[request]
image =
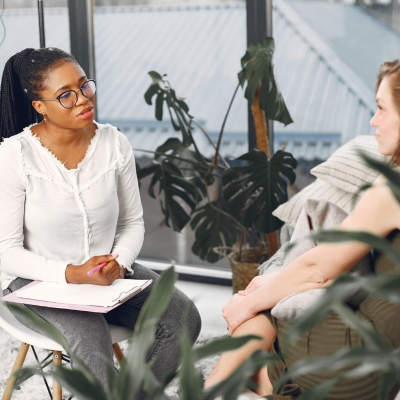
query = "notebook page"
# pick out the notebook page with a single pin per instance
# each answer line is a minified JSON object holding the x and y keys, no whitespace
{"x":82,"y":294}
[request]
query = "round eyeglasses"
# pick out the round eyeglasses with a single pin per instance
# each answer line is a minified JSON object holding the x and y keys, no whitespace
{"x":69,"y":98}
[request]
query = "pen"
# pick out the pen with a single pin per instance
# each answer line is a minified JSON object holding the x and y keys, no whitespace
{"x":98,"y":268}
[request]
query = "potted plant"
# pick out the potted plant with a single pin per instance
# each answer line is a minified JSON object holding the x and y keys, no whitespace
{"x":228,"y":205}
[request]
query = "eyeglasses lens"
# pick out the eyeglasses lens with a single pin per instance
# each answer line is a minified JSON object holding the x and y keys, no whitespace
{"x":68,"y":99}
{"x":88,"y":89}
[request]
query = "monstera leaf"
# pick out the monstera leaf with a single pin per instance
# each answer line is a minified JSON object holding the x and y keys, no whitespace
{"x":257,"y":66}
{"x":175,"y":186}
{"x":195,"y":168}
{"x":177,"y":108}
{"x":213,"y":228}
{"x":254,"y":191}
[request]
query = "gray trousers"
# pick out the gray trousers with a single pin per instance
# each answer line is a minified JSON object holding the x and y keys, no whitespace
{"x":88,"y":334}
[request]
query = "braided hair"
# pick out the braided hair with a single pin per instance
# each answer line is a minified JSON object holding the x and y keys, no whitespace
{"x":24,"y":78}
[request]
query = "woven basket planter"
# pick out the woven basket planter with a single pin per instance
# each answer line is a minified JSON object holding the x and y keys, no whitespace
{"x":245,"y":269}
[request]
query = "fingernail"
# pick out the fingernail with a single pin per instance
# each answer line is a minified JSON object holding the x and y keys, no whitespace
{"x":114,"y":255}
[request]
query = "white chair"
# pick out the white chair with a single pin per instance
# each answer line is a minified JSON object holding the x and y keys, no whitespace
{"x":28,"y":337}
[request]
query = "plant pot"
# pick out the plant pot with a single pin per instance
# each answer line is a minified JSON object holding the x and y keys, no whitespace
{"x":244,"y":268}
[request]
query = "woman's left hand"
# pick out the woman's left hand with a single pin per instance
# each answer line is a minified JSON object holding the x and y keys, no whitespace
{"x":257,"y":282}
{"x":236,"y":312}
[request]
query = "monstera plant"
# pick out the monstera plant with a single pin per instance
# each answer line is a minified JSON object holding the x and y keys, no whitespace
{"x":226,"y":203}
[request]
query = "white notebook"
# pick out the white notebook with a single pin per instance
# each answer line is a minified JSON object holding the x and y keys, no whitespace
{"x":83,"y":294}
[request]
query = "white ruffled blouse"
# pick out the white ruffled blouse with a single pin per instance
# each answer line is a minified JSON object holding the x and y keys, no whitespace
{"x":51,"y":216}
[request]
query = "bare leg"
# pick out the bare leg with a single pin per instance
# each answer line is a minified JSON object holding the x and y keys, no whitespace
{"x":229,"y":361}
{"x":264,"y":384}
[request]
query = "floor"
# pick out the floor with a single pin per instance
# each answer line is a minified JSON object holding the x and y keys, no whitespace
{"x":209,"y":300}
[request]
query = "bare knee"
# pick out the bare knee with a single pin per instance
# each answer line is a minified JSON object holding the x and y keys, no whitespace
{"x":260,"y":326}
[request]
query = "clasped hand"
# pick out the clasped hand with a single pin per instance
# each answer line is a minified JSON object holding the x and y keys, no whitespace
{"x":105,"y":276}
{"x":257,"y":282}
{"x":239,"y":309}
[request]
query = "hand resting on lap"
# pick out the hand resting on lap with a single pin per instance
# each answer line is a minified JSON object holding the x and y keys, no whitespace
{"x":106,"y":276}
{"x":236,"y":312}
{"x":257,"y":282}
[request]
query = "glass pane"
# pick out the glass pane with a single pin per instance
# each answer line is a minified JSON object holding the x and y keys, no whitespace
{"x":199,"y":48}
{"x":327,"y":58}
{"x":21,"y":24}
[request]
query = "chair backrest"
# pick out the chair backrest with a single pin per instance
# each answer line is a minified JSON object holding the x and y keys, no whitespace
{"x":15,"y":328}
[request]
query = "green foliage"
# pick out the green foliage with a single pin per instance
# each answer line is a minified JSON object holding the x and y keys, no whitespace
{"x":177,"y":108}
{"x":135,"y":372}
{"x":375,"y":242}
{"x":257,"y":66}
{"x":334,"y":299}
{"x":231,"y":387}
{"x":258,"y":188}
{"x":350,"y":362}
{"x":130,"y":376}
{"x":191,"y":382}
{"x":215,"y":219}
{"x":213,"y":228}
{"x":392,"y":176}
{"x":222,"y":345}
{"x":174,"y":185}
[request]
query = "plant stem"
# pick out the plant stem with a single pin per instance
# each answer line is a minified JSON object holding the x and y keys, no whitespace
{"x":223,"y":126}
{"x":228,"y":215}
{"x":204,"y":132}
{"x":272,"y":243}
{"x":260,"y":124}
{"x":223,"y":212}
{"x":262,"y":144}
{"x":180,"y":114}
{"x":172,"y":118}
{"x":210,"y":140}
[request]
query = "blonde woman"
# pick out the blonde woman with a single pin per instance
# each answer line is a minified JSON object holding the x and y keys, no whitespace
{"x":377,"y":212}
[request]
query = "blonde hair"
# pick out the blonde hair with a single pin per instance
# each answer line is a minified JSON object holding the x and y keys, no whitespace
{"x":391,"y":69}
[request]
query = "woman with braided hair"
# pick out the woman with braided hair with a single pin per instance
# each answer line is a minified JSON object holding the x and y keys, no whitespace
{"x":70,"y":201}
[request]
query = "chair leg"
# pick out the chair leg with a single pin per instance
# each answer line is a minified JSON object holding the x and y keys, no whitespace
{"x":57,"y":391}
{"x":119,"y":355}
{"x":17,"y":364}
